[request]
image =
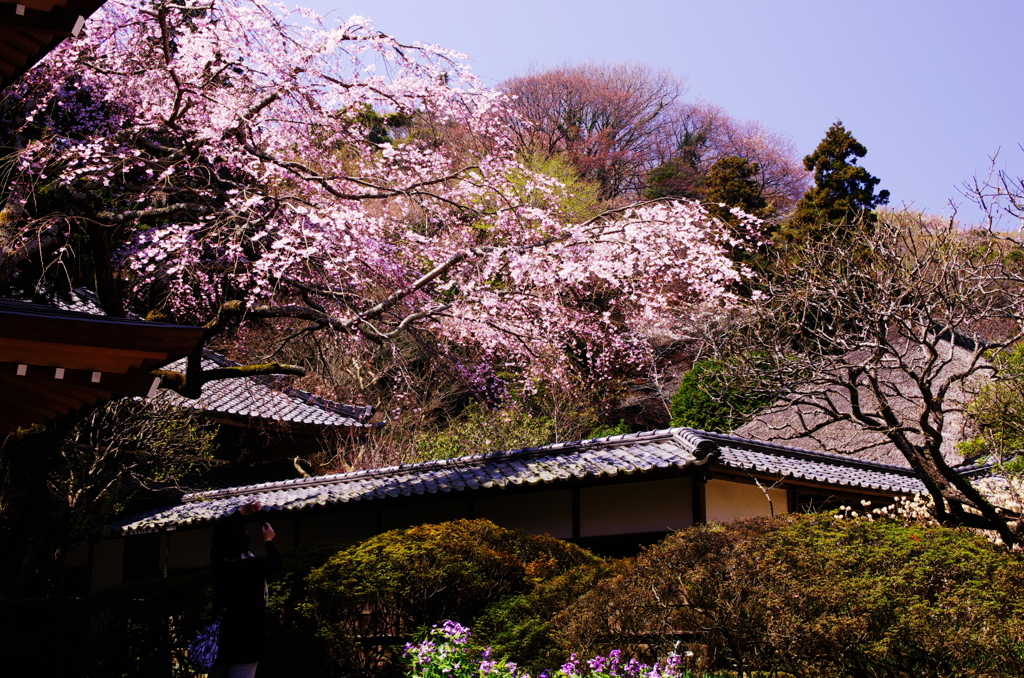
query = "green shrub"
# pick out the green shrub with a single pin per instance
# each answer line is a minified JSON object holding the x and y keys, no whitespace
{"x":997,"y":412}
{"x":607,"y":430}
{"x":713,"y":396}
{"x":815,"y":596}
{"x":480,"y":429}
{"x":371,"y":598}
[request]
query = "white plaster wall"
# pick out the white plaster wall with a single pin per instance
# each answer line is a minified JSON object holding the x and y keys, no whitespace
{"x":536,"y":513}
{"x":77,"y":556}
{"x":284,"y":533}
{"x":652,"y":506}
{"x":337,"y":526}
{"x":727,"y":501}
{"x":107,"y":563}
{"x":407,"y":516}
{"x":188,"y":549}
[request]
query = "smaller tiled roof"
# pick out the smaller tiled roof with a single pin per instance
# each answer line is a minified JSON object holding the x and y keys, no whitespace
{"x":264,"y":398}
{"x":541,"y":467}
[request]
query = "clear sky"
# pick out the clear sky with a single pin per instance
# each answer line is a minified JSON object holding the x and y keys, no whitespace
{"x":932,"y":87}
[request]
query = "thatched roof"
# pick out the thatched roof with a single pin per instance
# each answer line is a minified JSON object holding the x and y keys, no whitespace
{"x":799,"y":419}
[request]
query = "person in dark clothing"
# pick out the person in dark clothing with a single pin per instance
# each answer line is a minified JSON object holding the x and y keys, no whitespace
{"x":240,"y":593}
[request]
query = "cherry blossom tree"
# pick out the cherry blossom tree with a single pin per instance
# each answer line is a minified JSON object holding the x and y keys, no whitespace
{"x":224,"y":162}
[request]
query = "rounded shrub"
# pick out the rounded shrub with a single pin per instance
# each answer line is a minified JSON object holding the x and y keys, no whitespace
{"x":814,"y":596}
{"x":370,"y":599}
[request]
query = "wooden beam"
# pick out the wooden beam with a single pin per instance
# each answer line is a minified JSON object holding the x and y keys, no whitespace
{"x":42,"y":5}
{"x":24,"y":42}
{"x":20,"y":320}
{"x":10,"y":422}
{"x":6,"y":67}
{"x":70,"y":356}
{"x":31,"y":389}
{"x":37,"y":410}
{"x":85,"y":396}
{"x":12,"y":54}
{"x":699,"y":498}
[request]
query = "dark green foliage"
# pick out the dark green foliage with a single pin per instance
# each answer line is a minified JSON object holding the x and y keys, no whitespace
{"x":712,"y":399}
{"x":732,"y":181}
{"x":680,"y":177}
{"x":815,"y":596}
{"x":370,"y":599}
{"x":482,"y":429}
{"x":296,"y":648}
{"x":843,"y":192}
{"x":383,"y":128}
{"x":606,"y":430}
{"x":675,"y":178}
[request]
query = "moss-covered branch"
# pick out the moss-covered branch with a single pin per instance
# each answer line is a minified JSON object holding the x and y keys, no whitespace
{"x":190,"y":385}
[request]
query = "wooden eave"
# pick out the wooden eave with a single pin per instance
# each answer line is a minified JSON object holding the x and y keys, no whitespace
{"x":30,"y":29}
{"x":53,"y":362}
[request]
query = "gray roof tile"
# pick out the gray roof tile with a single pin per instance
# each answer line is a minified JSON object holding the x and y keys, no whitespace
{"x":257,"y":397}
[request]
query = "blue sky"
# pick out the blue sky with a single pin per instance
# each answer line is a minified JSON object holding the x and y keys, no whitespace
{"x":932,"y":88}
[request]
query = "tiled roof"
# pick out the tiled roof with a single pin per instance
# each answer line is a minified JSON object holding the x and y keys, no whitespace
{"x":637,"y":453}
{"x":261,"y":397}
{"x":834,"y":470}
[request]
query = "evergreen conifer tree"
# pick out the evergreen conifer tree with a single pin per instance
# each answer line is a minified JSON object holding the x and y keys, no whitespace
{"x":843,"y":192}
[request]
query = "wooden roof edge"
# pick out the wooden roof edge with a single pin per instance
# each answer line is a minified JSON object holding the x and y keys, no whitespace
{"x":62,"y":9}
{"x":23,"y":320}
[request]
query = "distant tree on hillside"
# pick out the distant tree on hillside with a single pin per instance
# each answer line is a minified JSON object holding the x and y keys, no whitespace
{"x":627,"y":127}
{"x":843,"y":192}
{"x":607,"y":119}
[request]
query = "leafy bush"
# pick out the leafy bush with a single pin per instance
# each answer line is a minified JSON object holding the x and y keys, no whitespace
{"x":607,"y":430}
{"x":295,"y":647}
{"x":998,"y":412}
{"x":710,"y":397}
{"x":481,"y":429}
{"x":372,"y":597}
{"x":815,"y":596}
{"x":519,"y":627}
